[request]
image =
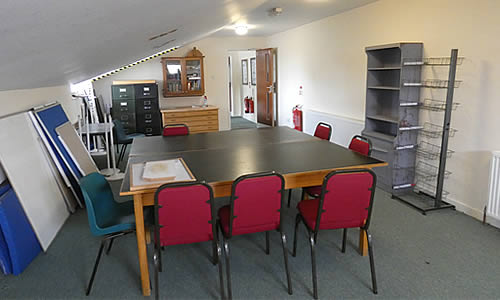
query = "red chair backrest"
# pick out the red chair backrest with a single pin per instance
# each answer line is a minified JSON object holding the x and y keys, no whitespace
{"x":255,"y":203}
{"x":173,"y":130}
{"x":323,"y":131}
{"x":183,"y":212}
{"x":361,"y":145}
{"x":346,"y":200}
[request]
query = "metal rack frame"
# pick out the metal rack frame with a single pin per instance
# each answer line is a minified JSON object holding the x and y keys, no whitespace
{"x":423,"y":200}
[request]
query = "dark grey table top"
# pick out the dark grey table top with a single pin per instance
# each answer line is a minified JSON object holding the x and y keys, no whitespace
{"x":226,"y":164}
{"x":217,"y":140}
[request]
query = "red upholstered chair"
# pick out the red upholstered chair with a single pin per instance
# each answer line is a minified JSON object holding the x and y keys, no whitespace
{"x":185,"y":214}
{"x":323,"y":131}
{"x":256,"y":205}
{"x":175,"y":129}
{"x":346,"y":201}
{"x":361,"y":144}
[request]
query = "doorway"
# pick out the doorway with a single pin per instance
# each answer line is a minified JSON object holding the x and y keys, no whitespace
{"x":249,"y":76}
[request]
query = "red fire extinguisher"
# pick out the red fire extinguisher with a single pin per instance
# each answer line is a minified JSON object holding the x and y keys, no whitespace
{"x":247,"y":105}
{"x":251,"y":105}
{"x":297,"y":117}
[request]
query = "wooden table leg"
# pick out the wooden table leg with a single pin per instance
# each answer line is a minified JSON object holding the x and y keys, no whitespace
{"x":363,"y":243}
{"x":141,"y":244}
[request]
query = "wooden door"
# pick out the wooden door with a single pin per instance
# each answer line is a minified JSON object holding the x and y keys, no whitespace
{"x":265,"y":86}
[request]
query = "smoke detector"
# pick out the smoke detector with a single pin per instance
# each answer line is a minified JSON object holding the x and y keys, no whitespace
{"x":276,"y":11}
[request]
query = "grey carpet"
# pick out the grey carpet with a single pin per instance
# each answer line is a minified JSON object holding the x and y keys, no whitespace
{"x":241,"y":123}
{"x":443,"y":255}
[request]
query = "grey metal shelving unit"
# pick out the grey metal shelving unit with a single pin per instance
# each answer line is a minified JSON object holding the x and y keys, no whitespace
{"x":392,"y":111}
{"x":429,"y":195}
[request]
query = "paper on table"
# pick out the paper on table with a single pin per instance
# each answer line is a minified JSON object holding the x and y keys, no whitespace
{"x":177,"y":169}
{"x":159,"y":170}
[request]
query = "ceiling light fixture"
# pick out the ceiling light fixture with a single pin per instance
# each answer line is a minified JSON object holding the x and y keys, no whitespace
{"x":241,"y":29}
{"x":276,"y":11}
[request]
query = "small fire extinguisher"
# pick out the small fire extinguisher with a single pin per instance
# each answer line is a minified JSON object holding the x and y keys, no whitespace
{"x":247,"y":105}
{"x":297,"y":117}
{"x":251,"y":105}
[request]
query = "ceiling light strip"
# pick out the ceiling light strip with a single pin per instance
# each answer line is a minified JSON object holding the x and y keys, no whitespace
{"x":134,"y":64}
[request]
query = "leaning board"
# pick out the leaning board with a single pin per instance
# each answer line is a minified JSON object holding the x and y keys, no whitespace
{"x":75,"y":148}
{"x":29,"y":173}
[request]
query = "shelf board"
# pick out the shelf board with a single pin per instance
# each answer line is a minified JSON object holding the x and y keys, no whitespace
{"x":379,"y":150}
{"x":384,"y":69}
{"x":379,"y":135}
{"x":383,"y":118}
{"x":381,"y":87}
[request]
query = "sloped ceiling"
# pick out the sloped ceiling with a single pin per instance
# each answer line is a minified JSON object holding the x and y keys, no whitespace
{"x":53,"y":42}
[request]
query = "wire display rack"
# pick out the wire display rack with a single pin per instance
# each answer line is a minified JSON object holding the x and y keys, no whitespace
{"x":433,"y":83}
{"x":437,"y":105}
{"x":427,"y":196}
{"x":430,"y":189}
{"x":430,"y":151}
{"x":435,"y":131}
{"x":442,"y":61}
{"x":432,"y":61}
{"x":439,"y":83}
{"x":428,"y":172}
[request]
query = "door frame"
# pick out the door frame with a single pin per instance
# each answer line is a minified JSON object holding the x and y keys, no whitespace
{"x":275,"y":102}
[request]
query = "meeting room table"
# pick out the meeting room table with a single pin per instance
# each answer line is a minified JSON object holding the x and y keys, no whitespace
{"x":218,"y":158}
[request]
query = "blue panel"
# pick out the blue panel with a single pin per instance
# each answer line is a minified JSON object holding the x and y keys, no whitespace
{"x":21,"y":240}
{"x":5,"y":264}
{"x":52,"y":118}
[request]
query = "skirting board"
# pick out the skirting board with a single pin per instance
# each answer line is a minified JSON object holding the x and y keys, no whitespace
{"x":31,"y":177}
{"x":343,"y":128}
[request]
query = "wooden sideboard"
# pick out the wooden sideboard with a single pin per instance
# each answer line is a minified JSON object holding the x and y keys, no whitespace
{"x":198,"y":119}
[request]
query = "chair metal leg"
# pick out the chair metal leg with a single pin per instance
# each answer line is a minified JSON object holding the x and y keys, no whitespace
{"x":157,"y":267}
{"x":221,"y":278}
{"x":228,"y":269}
{"x":372,"y":263}
{"x":89,"y":286}
{"x":110,"y":245}
{"x":267,"y":243}
{"x":289,"y":196}
{"x":285,"y":256}
{"x":119,"y":156}
{"x":344,"y":238}
{"x":297,"y":221}
{"x":215,"y":259}
{"x":313,"y":262}
{"x":122,"y":153}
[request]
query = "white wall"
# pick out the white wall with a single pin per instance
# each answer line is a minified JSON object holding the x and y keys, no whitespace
{"x":240,"y":90}
{"x":20,"y":100}
{"x":327,"y":57}
{"x":215,"y":51}
{"x":237,"y":103}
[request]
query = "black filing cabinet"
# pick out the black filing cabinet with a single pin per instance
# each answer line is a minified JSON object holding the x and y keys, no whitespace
{"x":137,"y":107}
